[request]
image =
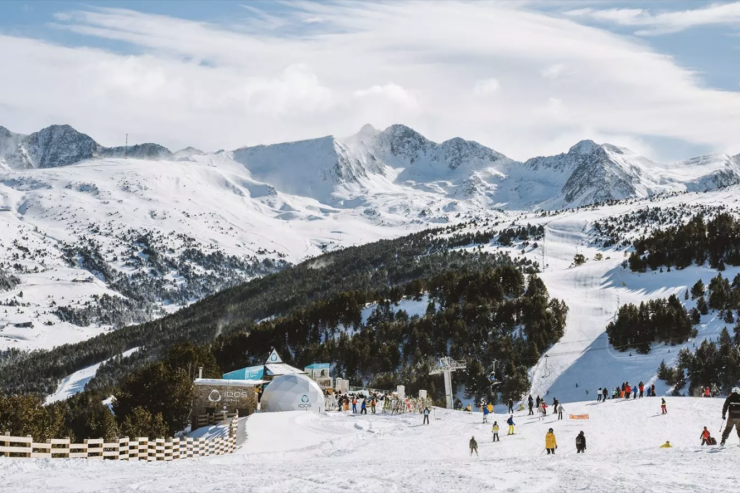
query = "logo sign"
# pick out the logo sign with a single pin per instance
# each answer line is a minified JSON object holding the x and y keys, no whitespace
{"x":214,"y":396}
{"x":274,"y":358}
{"x":578,"y":416}
{"x":228,"y":395}
{"x":304,"y":402}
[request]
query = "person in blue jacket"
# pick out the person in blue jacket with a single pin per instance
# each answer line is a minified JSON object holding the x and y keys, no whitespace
{"x":485,"y":414}
{"x":510,"y":422}
{"x":363,"y":407}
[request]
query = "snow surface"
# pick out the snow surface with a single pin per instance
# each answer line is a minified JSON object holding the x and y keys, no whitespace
{"x":298,"y":451}
{"x":75,"y":383}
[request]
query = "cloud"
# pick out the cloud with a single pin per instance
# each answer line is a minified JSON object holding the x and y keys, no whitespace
{"x":665,"y":22}
{"x":487,"y":86}
{"x":180,"y":82}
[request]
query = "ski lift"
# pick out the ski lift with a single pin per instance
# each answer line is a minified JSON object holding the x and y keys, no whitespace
{"x":547,"y":369}
{"x":492,"y":375}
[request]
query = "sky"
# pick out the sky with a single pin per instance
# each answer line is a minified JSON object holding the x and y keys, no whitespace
{"x":526,"y":78}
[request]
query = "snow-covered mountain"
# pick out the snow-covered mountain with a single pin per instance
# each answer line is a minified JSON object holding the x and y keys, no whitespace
{"x":81,"y":222}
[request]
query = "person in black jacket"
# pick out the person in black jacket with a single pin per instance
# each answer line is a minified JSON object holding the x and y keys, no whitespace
{"x":732,"y":406}
{"x":531,"y":405}
{"x":581,"y":443}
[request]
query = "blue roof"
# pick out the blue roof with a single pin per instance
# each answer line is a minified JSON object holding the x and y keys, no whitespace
{"x":248,"y":373}
{"x":318,"y":366}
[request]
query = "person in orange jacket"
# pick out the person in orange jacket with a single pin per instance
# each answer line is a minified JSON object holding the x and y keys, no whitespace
{"x":706,"y":438}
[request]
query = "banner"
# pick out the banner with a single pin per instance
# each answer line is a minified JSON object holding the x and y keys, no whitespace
{"x":578,"y":416}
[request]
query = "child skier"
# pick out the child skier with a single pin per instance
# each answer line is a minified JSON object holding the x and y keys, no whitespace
{"x":560,"y":411}
{"x":510,"y":422}
{"x":550,"y":443}
{"x":426,"y":416}
{"x":485,"y":414}
{"x":581,"y":443}
{"x":706,"y":438}
{"x":663,"y":406}
{"x":495,"y":432}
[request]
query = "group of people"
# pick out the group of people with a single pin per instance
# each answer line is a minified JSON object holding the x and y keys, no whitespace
{"x":625,"y":391}
{"x":551,"y":443}
{"x":542,"y":406}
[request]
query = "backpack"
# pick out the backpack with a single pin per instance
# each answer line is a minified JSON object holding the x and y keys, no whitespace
{"x":579,"y":440}
{"x":712,"y":441}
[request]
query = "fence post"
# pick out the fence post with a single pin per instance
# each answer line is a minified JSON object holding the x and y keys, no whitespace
{"x":6,"y":444}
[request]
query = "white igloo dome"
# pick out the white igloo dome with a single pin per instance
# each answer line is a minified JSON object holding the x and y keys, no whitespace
{"x":292,"y":393}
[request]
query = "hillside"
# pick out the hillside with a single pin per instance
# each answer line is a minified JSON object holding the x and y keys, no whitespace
{"x":308,"y":452}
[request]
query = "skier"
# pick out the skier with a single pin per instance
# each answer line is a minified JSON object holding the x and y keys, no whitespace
{"x":642,"y":388}
{"x":663,"y":406}
{"x":614,"y":393}
{"x":732,"y":404}
{"x":606,"y":394}
{"x":544,"y":408}
{"x":511,"y":406}
{"x":627,"y":391}
{"x":373,"y":403}
{"x":494,"y":429}
{"x":490,"y":408}
{"x":354,"y":405}
{"x":363,"y":407}
{"x":706,"y":438}
{"x":598,"y":395}
{"x":555,"y":403}
{"x":485,"y":414}
{"x":530,"y":402}
{"x":426,"y":416}
{"x":469,"y":409}
{"x":550,"y":443}
{"x":581,"y":443}
{"x":634,"y":392}
{"x":560,"y":411}
{"x":652,"y":390}
{"x":473,"y":447}
{"x":667,"y":444}
{"x":510,"y":422}
{"x":538,"y":401}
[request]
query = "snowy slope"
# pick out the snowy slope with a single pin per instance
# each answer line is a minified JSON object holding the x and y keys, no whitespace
{"x":306,"y":452}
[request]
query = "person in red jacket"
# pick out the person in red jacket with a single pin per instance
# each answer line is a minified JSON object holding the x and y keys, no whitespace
{"x":705,"y":437}
{"x":642,"y":389}
{"x":627,"y":391}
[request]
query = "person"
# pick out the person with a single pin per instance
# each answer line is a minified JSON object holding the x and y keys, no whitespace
{"x":555,"y":403}
{"x":469,"y":409}
{"x":606,"y":394}
{"x":511,"y":406}
{"x":550,"y":443}
{"x":731,"y":412}
{"x":627,"y":391}
{"x":581,"y":443}
{"x":598,"y":395}
{"x":494,"y":429}
{"x":346,"y":404}
{"x":363,"y":407}
{"x":485,"y":414}
{"x":652,"y":390}
{"x":560,"y":412}
{"x":510,"y":422}
{"x":667,"y":444}
{"x":614,"y":393}
{"x":354,"y":404}
{"x":530,"y":402}
{"x":426,"y":416}
{"x":706,"y":438}
{"x":373,"y":403}
{"x":634,"y":392}
{"x":538,"y":401}
{"x":642,"y":388}
{"x":663,"y":406}
{"x":473,"y":446}
{"x":458,"y":404}
{"x":490,"y":408}
{"x":544,"y":408}
{"x":707,"y":392}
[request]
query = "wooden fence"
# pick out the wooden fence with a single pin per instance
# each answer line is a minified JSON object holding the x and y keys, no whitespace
{"x":121,"y":449}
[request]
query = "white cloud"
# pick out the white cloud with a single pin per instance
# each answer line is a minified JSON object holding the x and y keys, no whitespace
{"x":484,"y":87}
{"x":666,"y":22}
{"x":194,"y":83}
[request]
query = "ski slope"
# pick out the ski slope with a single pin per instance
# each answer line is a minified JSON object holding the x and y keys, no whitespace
{"x":306,"y":452}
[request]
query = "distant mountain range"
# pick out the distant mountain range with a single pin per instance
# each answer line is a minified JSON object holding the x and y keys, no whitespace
{"x":336,"y":171}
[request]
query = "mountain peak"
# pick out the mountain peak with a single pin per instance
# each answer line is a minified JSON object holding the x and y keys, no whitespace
{"x":584,"y":147}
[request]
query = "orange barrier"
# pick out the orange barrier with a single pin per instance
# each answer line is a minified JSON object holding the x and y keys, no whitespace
{"x":578,"y":416}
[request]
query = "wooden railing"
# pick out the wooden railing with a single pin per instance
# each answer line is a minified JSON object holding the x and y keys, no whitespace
{"x":122,"y":449}
{"x":213,"y":419}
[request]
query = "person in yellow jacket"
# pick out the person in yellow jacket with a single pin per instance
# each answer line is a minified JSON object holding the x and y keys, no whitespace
{"x":550,"y":443}
{"x":667,"y":444}
{"x":490,"y":408}
{"x":495,"y":431}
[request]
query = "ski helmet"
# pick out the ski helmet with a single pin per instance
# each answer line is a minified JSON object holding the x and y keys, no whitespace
{"x":736,"y":390}
{"x":550,"y":430}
